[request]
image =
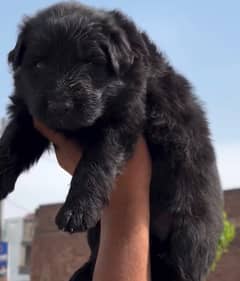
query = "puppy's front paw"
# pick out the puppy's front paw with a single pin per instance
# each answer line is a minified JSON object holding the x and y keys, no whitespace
{"x":8,"y":172}
{"x":78,"y":215}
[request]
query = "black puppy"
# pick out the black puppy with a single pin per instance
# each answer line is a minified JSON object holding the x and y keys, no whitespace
{"x":93,"y":76}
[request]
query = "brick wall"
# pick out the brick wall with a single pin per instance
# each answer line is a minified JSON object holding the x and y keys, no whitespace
{"x":55,"y":255}
{"x":228,"y":268}
{"x":232,"y":205}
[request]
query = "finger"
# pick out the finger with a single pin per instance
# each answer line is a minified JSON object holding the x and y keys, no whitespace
{"x":50,"y":134}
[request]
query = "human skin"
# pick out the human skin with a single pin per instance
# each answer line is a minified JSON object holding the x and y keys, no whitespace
{"x":124,"y":241}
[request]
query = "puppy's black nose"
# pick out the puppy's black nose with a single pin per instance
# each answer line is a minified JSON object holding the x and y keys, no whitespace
{"x":60,"y":107}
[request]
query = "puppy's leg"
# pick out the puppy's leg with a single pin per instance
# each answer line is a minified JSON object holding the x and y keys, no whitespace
{"x":93,"y":181}
{"x":20,"y":146}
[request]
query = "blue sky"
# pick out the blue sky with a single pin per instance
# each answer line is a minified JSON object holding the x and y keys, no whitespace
{"x":200,"y":38}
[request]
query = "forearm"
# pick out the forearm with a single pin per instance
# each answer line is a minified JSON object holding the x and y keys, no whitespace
{"x":124,"y":244}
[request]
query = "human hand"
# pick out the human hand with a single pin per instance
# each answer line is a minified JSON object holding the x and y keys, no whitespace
{"x":125,"y":221}
{"x":68,"y":152}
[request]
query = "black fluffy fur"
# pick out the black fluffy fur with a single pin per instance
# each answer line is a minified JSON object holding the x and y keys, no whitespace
{"x":93,"y":76}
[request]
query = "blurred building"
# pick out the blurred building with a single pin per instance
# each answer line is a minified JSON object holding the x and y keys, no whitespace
{"x":18,"y":232}
{"x":55,"y":255}
{"x":26,"y":243}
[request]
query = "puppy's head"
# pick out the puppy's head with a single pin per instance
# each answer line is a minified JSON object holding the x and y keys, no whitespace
{"x":69,"y":61}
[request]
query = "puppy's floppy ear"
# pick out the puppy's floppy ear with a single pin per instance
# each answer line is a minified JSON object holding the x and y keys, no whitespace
{"x":119,"y":51}
{"x":15,"y":56}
